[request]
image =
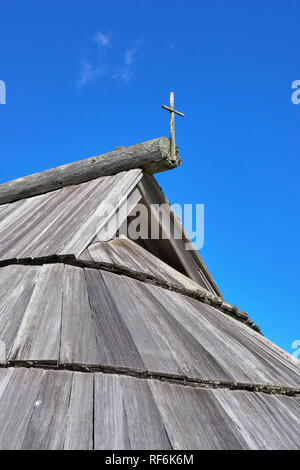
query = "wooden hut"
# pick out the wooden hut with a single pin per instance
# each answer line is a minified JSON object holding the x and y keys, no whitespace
{"x":110,"y":342}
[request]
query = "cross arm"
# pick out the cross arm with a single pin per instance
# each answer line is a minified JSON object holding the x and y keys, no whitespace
{"x":172,"y":110}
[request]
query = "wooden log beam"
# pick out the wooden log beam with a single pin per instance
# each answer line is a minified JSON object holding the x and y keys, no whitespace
{"x":153,"y":156}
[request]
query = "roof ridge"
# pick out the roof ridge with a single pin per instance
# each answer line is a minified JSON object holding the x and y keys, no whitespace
{"x":152,"y":156}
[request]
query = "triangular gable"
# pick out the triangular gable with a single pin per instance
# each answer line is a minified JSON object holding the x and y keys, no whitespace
{"x":67,"y":221}
{"x":170,"y":250}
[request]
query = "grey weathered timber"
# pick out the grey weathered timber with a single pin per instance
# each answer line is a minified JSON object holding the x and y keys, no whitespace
{"x":17,"y":403}
{"x":172,"y":122}
{"x":43,"y":312}
{"x":115,"y":343}
{"x":63,"y":221}
{"x":117,"y":322}
{"x":110,"y":426}
{"x":50,"y":413}
{"x":125,"y":344}
{"x":80,"y":426}
{"x":153,"y":156}
{"x":78,"y":339}
{"x":125,"y":253}
{"x":44,"y":409}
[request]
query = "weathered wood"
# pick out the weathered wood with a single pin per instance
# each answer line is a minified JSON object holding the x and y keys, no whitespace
{"x":43,"y":314}
{"x":79,"y":433}
{"x":153,"y":156}
{"x":172,"y":124}
{"x":16,"y":406}
{"x":78,"y":339}
{"x":110,"y":425}
{"x":63,"y":221}
{"x":48,"y":422}
{"x":172,"y":110}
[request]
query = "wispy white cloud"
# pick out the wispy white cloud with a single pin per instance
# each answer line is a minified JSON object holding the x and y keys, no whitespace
{"x":103,"y":39}
{"x":105,"y":64}
{"x":88,"y":72}
{"x":126,"y":71}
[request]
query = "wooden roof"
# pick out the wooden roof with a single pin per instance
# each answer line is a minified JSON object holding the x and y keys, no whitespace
{"x":109,"y":346}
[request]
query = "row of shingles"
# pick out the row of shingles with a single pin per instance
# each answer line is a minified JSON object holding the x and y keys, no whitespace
{"x":225,"y":419}
{"x":274,"y":364}
{"x":166,"y":346}
{"x":116,"y":321}
{"x":61,"y":222}
{"x":50,"y":314}
{"x":45,"y":238}
{"x":41,"y":415}
{"x":45,"y":315}
{"x":265,"y":421}
{"x":41,"y":421}
{"x":42,"y":409}
{"x":44,"y":431}
{"x":118,"y":188}
{"x":75,"y":217}
{"x":241,"y":352}
{"x":125,"y":253}
{"x":178,"y":336}
{"x":22,"y":225}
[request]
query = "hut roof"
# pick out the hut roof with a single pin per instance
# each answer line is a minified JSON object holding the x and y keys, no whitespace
{"x":115,"y":343}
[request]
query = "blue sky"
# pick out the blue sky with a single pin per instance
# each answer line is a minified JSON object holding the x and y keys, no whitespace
{"x":86,"y":76}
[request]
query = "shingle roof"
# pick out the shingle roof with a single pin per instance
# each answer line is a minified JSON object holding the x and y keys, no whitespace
{"x":45,"y":409}
{"x":108,"y":346}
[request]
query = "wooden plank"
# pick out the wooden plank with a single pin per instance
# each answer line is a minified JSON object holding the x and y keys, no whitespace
{"x":80,"y":426}
{"x":117,"y":192}
{"x":53,"y":221}
{"x":115,"y":343}
{"x":262,"y":361}
{"x":26,"y":223}
{"x":5,"y":377}
{"x":38,"y":337}
{"x":145,"y":426}
{"x":152,"y":156}
{"x":260,"y":419}
{"x":10,"y":277}
{"x":16,"y":405}
{"x":12,"y":312}
{"x":59,"y":218}
{"x":110,"y":423}
{"x":78,"y":340}
{"x":141,"y":318}
{"x":48,"y":422}
{"x":192,"y":419}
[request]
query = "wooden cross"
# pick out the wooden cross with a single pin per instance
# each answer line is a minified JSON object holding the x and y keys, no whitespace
{"x":172,"y":122}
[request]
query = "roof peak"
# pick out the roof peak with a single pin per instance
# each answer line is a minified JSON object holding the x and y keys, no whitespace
{"x":153,"y":156}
